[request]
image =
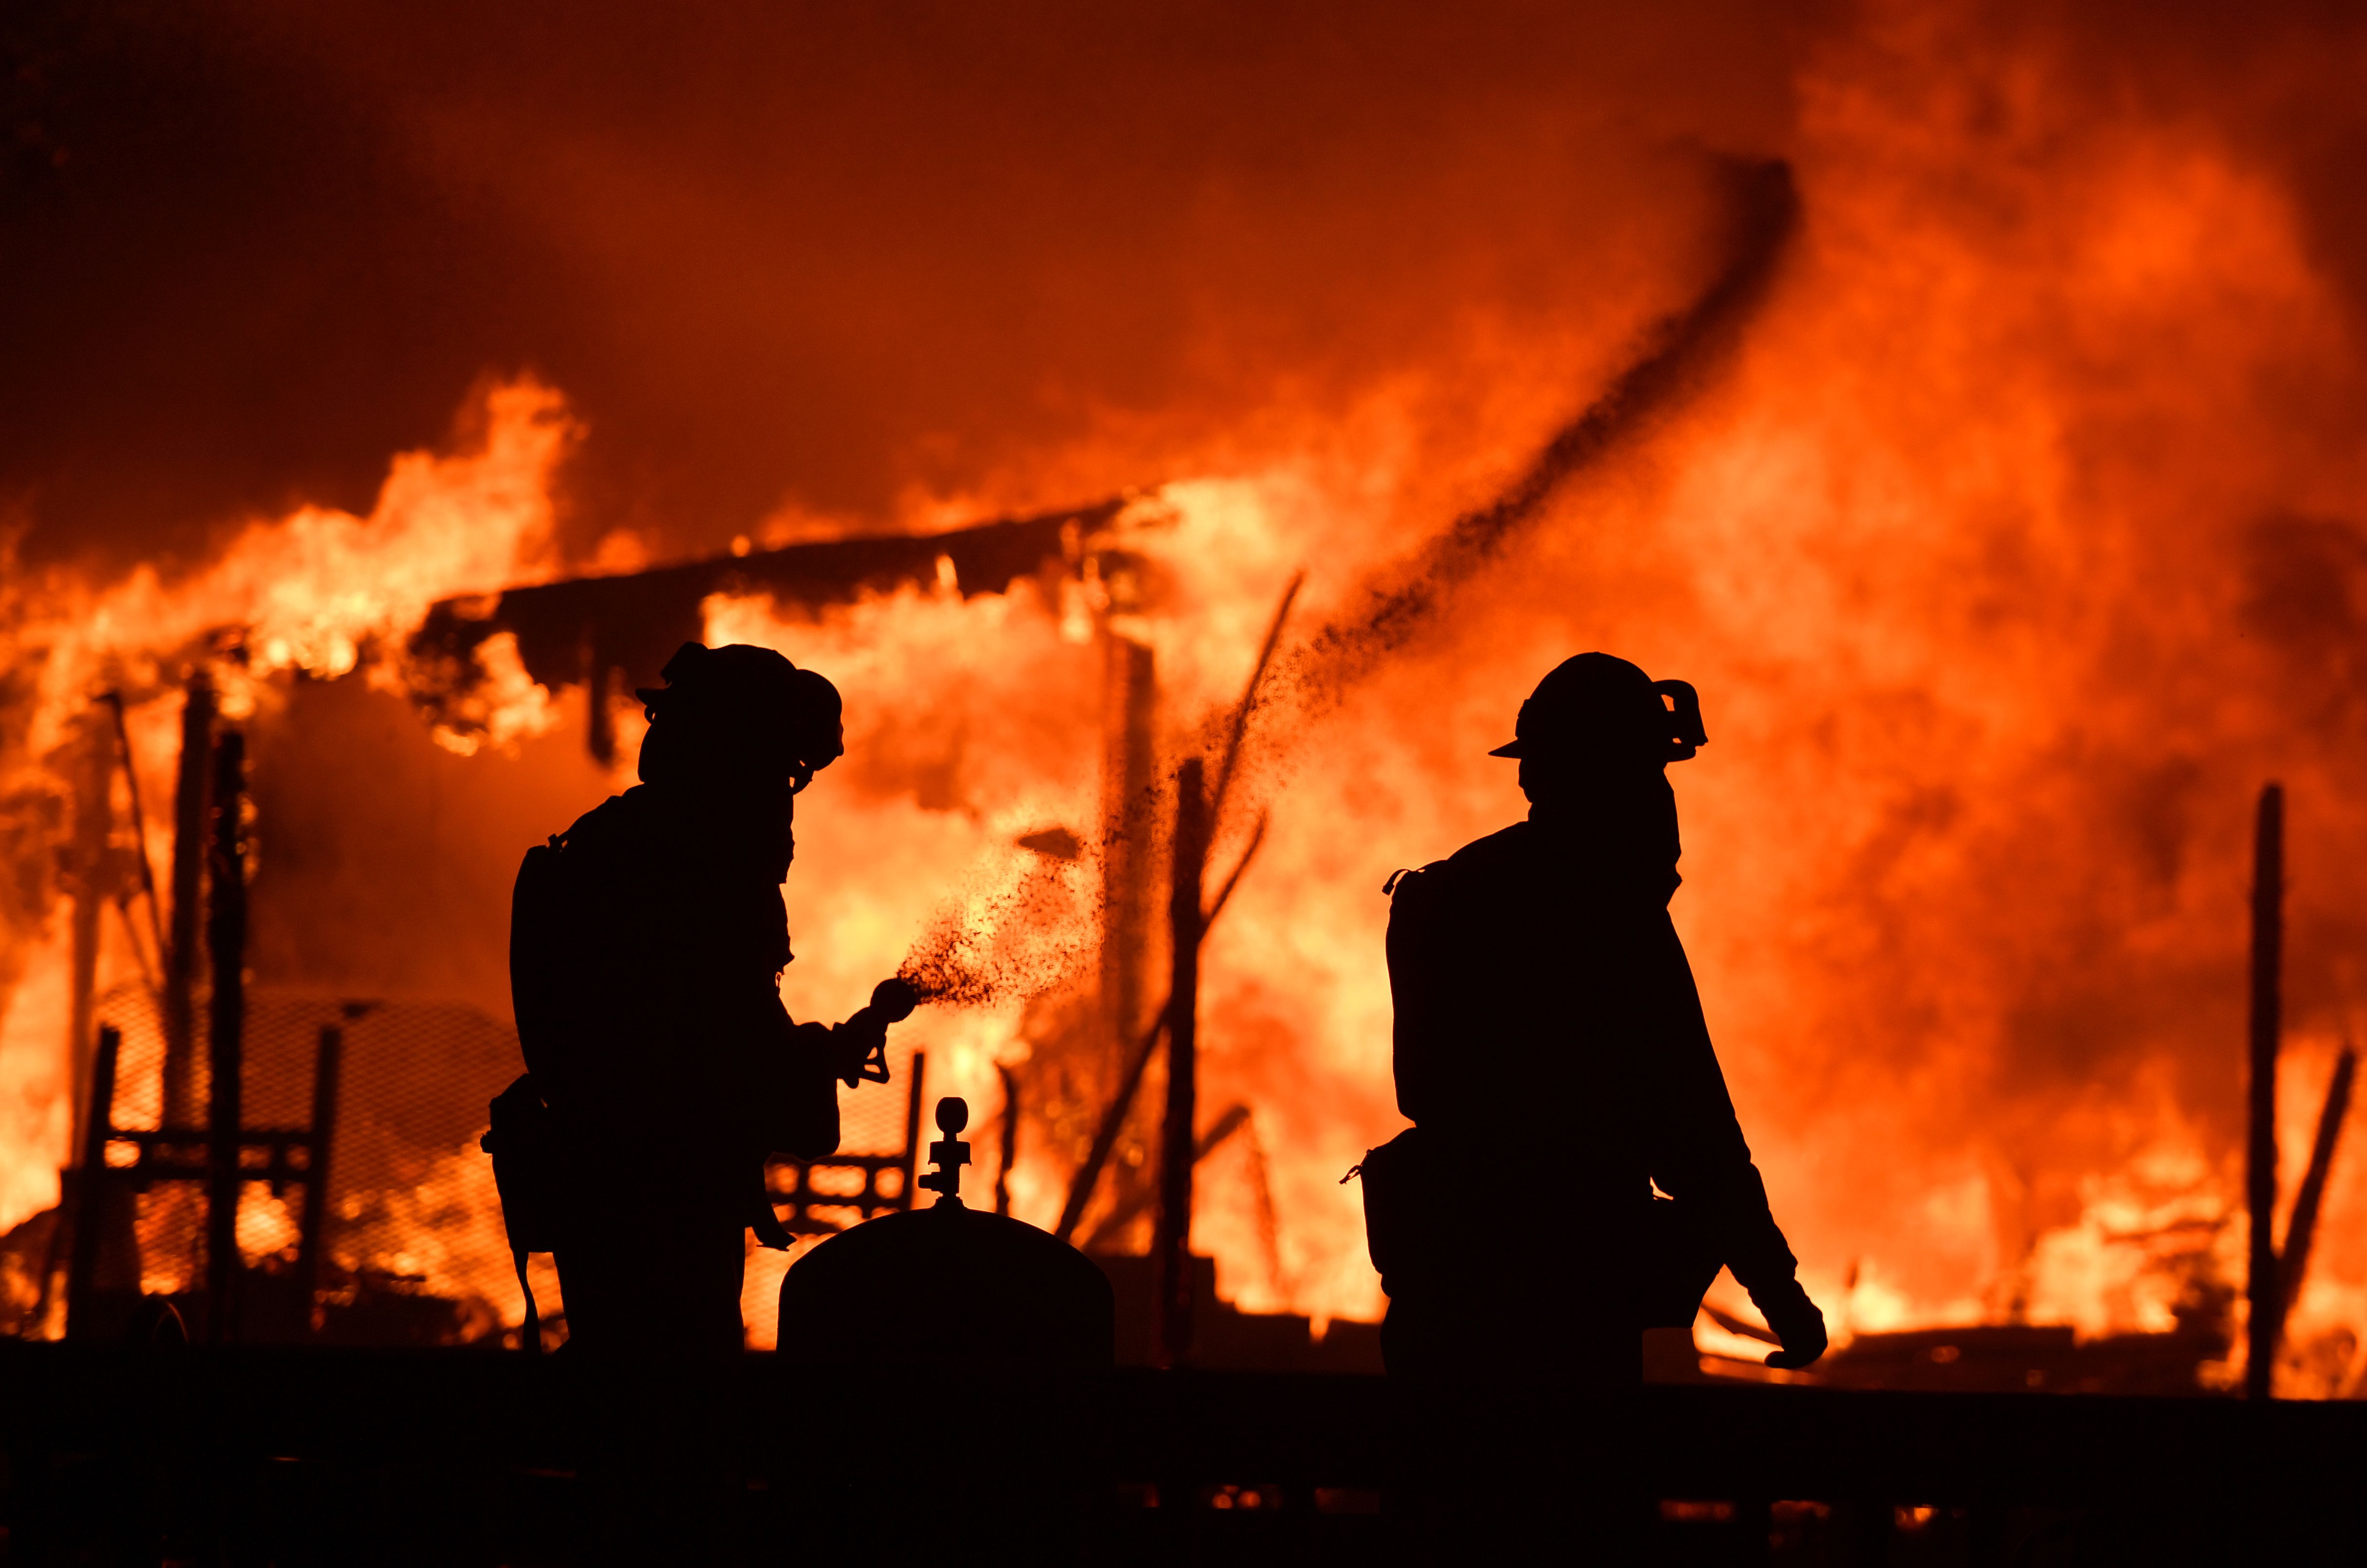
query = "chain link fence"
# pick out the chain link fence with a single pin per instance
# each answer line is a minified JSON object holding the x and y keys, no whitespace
{"x":411,"y":1247}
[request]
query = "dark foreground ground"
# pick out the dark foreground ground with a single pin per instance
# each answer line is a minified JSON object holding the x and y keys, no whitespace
{"x":317,"y":1456}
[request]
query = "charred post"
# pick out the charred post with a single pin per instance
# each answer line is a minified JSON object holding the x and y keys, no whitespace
{"x":114,"y":701}
{"x":226,"y":940}
{"x":1009,"y":1153}
{"x":189,"y":889}
{"x":89,"y":878}
{"x":1171,"y":1247}
{"x":599,"y":688}
{"x":1131,"y":689}
{"x":2261,"y":1294}
{"x":1126,"y":794}
{"x":917,"y":1076}
{"x":327,"y":1062}
{"x":89,"y":1202}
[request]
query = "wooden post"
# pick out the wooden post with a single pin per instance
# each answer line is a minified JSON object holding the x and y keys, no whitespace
{"x":1171,"y":1248}
{"x":599,"y":685}
{"x":1129,"y":706}
{"x":918,"y":1074}
{"x":226,"y":940}
{"x":1126,"y":795}
{"x":114,"y":701}
{"x":2261,"y":1149}
{"x":327,"y":1062}
{"x":1009,"y":1153}
{"x":180,"y":957}
{"x":89,"y":1198}
{"x":94,"y":828}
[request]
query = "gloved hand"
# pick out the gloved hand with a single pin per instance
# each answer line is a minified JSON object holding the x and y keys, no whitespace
{"x":1798,"y":1323}
{"x":862,"y":1040}
{"x":853,"y":1044}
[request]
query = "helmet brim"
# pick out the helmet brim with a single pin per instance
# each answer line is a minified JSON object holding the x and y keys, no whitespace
{"x":1509,"y":748}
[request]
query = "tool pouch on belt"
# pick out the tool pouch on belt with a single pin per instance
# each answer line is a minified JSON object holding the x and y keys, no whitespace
{"x":545,"y":956}
{"x":524,"y":1139}
{"x":1680,"y":1252}
{"x":1681,"y":1258}
{"x":1397,"y":1188}
{"x":524,"y":1142}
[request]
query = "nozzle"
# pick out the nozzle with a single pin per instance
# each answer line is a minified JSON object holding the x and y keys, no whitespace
{"x":894,"y":998}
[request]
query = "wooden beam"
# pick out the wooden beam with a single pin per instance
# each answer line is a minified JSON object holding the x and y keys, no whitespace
{"x":2260,"y":1147}
{"x":226,"y":944}
{"x":1171,"y":1248}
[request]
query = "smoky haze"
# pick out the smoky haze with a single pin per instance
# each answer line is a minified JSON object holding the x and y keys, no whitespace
{"x":809,"y":256}
{"x":825,"y":258}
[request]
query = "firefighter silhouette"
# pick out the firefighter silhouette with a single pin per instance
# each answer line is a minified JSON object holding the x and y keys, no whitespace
{"x":1551,"y":1052}
{"x":646,"y":947}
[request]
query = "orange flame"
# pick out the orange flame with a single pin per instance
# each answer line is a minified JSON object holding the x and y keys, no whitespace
{"x":2007,"y":552}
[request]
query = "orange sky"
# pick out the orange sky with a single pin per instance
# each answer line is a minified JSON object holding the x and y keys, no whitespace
{"x":816,"y":256}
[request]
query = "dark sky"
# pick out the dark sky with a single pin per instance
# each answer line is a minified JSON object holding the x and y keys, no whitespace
{"x":821,"y":254}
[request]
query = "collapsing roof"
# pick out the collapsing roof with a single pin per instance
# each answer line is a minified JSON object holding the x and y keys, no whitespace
{"x":615,"y":633}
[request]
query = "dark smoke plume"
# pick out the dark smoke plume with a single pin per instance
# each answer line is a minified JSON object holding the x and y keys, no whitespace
{"x":1410,"y":595}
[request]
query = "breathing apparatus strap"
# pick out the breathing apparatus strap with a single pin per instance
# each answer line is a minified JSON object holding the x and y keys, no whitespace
{"x":530,"y":1331}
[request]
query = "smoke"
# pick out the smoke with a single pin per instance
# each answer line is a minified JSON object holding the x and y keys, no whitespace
{"x":804,"y":261}
{"x":803,"y":258}
{"x":1408,"y":596}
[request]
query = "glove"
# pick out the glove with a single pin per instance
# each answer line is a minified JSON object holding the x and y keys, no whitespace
{"x":1799,"y":1324}
{"x":853,"y":1044}
{"x":863,"y":1039}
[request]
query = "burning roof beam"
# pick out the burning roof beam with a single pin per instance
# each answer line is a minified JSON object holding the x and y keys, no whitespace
{"x":618,"y":632}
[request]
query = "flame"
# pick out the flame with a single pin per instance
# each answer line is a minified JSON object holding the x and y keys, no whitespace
{"x":501,"y":706}
{"x":317,"y":591}
{"x":2006,"y":544}
{"x":33,"y":1099}
{"x":311,"y":591}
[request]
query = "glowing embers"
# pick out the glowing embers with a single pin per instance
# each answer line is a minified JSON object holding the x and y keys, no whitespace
{"x":1266,"y":1498}
{"x":1687,"y":1511}
{"x":1800,"y":1530}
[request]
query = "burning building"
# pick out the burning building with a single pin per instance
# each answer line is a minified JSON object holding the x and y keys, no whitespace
{"x":1978,"y":435}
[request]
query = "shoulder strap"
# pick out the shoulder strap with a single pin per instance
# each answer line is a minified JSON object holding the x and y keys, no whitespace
{"x":1411,"y":879}
{"x":521,"y":1143}
{"x":530,"y":1331}
{"x":539,"y":948}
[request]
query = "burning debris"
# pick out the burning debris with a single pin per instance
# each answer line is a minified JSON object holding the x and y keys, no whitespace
{"x":2010,"y":607}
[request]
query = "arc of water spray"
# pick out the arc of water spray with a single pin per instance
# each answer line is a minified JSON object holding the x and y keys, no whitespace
{"x":1248,"y":704}
{"x":1320,"y":670}
{"x":1402,"y":599}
